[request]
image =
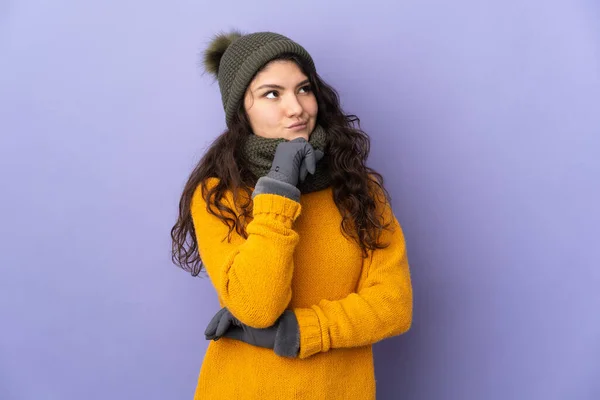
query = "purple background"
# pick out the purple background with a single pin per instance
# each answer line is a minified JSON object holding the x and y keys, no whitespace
{"x":485,"y":121}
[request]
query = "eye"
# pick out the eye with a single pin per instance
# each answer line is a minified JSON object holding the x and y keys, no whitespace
{"x":271,"y":95}
{"x":305,"y":89}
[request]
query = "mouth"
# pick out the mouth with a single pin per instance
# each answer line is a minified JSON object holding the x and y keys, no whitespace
{"x":298,"y":126}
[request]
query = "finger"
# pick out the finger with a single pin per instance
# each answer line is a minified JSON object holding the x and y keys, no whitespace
{"x":303,"y":171}
{"x":224,"y":324}
{"x":210,"y":328}
{"x":210,"y":331}
{"x":319,"y":155}
{"x":309,"y":159}
{"x":212,"y":325}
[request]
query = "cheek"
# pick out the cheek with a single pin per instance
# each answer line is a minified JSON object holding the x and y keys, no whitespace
{"x":310,"y":106}
{"x":271,"y":115}
{"x":264,"y":116}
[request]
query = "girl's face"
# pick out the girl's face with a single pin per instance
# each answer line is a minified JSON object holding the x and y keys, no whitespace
{"x":279,"y":102}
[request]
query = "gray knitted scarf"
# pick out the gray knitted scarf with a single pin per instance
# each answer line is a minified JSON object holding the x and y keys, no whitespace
{"x":260,"y":151}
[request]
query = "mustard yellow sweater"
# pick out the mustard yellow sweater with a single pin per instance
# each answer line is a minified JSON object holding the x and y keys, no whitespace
{"x":296,"y":258}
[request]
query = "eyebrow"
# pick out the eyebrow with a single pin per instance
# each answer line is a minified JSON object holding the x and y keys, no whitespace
{"x":272,"y":86}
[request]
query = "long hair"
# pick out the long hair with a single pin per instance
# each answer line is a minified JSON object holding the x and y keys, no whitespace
{"x":357,"y":189}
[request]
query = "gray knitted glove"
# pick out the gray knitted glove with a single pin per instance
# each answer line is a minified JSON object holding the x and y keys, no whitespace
{"x":293,"y":161}
{"x":283,"y":336}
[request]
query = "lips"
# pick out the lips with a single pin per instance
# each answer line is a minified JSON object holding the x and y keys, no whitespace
{"x":297,"y":125}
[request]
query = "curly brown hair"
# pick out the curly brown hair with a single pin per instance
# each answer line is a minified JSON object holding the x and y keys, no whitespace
{"x":357,"y":189}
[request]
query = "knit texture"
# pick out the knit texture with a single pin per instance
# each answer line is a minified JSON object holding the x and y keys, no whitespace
{"x":296,"y":258}
{"x":242,"y":60}
{"x":260,"y":151}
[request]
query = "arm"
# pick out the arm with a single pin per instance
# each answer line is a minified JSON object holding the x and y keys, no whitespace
{"x":251,"y":276}
{"x":381,"y":307}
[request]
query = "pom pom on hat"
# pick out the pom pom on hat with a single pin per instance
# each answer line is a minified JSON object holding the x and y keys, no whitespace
{"x":215,"y":50}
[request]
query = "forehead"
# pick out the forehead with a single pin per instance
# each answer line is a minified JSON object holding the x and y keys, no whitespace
{"x":279,"y":72}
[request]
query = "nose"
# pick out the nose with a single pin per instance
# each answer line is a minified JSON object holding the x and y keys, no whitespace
{"x":292,"y":106}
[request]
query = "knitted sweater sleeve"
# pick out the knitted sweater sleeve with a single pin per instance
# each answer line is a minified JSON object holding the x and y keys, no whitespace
{"x":380,"y":308}
{"x":252,"y":276}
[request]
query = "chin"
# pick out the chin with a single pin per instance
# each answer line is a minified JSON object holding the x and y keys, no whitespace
{"x":297,"y":135}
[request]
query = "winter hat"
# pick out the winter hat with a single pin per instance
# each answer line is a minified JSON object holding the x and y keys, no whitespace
{"x":235,"y":58}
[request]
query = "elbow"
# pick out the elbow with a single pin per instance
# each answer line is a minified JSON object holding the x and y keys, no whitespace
{"x":405,"y":323}
{"x":406,"y":309}
{"x":257,"y":307}
{"x":402,"y":324}
{"x":262,"y":320}
{"x":261,"y":314}
{"x":265,"y":322}
{"x":403,"y":320}
{"x":408,"y":318}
